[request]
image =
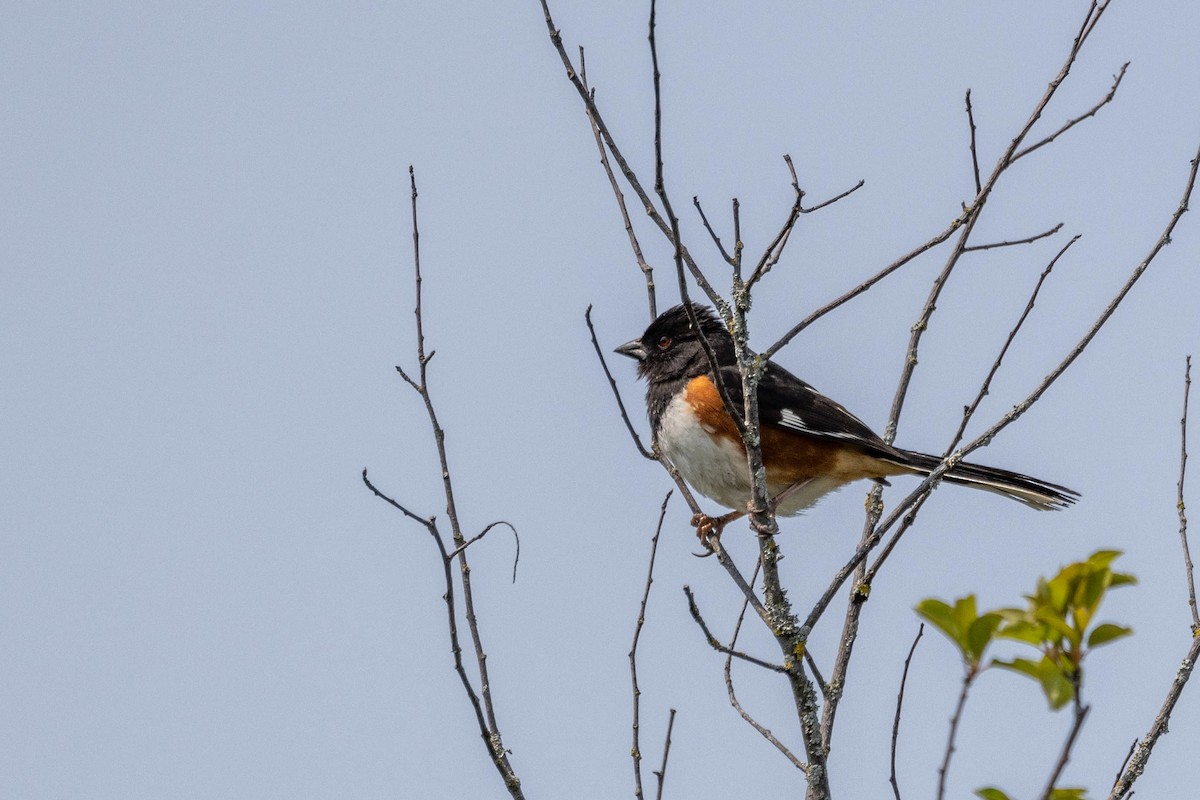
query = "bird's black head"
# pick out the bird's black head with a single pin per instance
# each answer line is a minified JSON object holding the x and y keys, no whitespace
{"x":670,"y":348}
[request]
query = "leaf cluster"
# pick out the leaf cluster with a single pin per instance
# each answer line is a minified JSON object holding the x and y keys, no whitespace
{"x":1058,"y":621}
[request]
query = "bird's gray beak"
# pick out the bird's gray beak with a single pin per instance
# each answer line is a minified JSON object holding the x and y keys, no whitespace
{"x":633,"y":349}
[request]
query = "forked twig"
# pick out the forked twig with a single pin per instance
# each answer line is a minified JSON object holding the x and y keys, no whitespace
{"x":715,"y":643}
{"x":481,"y":700}
{"x":733,"y":700}
{"x":1108,"y":98}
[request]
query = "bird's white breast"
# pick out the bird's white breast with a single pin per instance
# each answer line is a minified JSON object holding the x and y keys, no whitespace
{"x":715,"y":466}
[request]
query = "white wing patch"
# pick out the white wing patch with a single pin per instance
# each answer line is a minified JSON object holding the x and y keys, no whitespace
{"x":790,"y":419}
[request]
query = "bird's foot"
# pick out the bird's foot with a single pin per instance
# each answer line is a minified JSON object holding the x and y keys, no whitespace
{"x":710,"y":528}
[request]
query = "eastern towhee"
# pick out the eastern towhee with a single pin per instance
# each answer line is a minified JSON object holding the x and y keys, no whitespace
{"x":810,"y":444}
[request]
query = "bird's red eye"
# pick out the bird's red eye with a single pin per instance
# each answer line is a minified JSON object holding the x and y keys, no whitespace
{"x":664,"y":342}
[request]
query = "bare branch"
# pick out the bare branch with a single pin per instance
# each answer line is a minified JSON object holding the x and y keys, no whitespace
{"x":635,"y":751}
{"x":646,"y":269}
{"x":861,"y":288}
{"x":733,"y":700}
{"x":428,"y":522}
{"x":1125,"y":763}
{"x":481,"y":702}
{"x":1010,"y":243}
{"x":1183,"y":457}
{"x":968,"y":679}
{"x":971,"y":217}
{"x":861,"y":183}
{"x":715,"y":644}
{"x":1141,"y":753}
{"x":594,"y":114}
{"x":774,"y":250}
{"x":1108,"y":98}
{"x":969,"y":411}
{"x":900,"y":702}
{"x":484,"y":532}
{"x":1081,"y":712}
{"x":716,"y":239}
{"x":612,"y":383}
{"x":661,"y":772}
{"x":974,"y":153}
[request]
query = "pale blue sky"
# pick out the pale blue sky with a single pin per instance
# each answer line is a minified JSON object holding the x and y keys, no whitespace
{"x":207,"y":280}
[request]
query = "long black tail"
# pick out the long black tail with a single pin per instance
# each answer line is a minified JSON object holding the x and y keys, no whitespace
{"x":1042,"y":495}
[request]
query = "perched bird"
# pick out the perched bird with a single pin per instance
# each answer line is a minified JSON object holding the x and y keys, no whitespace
{"x":810,"y":444}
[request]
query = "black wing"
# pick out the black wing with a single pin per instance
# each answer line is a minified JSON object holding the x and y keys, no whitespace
{"x":785,"y":401}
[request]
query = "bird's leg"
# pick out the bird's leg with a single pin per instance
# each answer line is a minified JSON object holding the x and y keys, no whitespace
{"x":707,"y":526}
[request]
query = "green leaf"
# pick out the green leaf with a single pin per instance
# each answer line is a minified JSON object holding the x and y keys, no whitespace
{"x":965,"y":613}
{"x":941,"y":616}
{"x":1057,"y":688}
{"x":1074,"y":793}
{"x":1021,"y":665}
{"x":1023,"y":631}
{"x":1102,"y":558}
{"x":1058,"y":624}
{"x":1107,"y":632}
{"x":1122,"y":579}
{"x":992,"y":793}
{"x":979,"y":635}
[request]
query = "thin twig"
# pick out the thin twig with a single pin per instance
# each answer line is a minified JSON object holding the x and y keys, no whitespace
{"x":1183,"y":457}
{"x":612,"y":383}
{"x":860,"y":288}
{"x":943,"y":770}
{"x":647,"y":270}
{"x":715,"y":644}
{"x":974,"y":151}
{"x":481,"y":701}
{"x":661,"y":772}
{"x":595,"y":115}
{"x":733,"y":700}
{"x":861,"y":183}
{"x":1018,"y":410}
{"x":1010,"y":242}
{"x":900,"y":705}
{"x":969,"y":411}
{"x":1108,"y":98}
{"x":484,"y":532}
{"x":716,"y":239}
{"x":1081,"y":712}
{"x":1141,"y":753}
{"x":635,"y":751}
{"x":774,"y":250}
{"x":1124,"y":763}
{"x":972,"y":216}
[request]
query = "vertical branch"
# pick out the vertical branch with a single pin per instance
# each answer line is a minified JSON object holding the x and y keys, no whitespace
{"x":661,"y":772}
{"x":899,"y":706}
{"x":974,"y":151}
{"x":481,"y":701}
{"x":1183,"y":456}
{"x":943,"y":770}
{"x":635,"y":751}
